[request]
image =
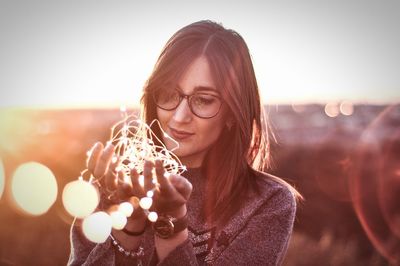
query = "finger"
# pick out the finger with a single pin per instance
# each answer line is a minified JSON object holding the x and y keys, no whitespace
{"x":111,"y":180}
{"x":111,"y":175}
{"x":148,"y":175}
{"x":165,"y":185}
{"x":94,"y":155}
{"x":104,"y":161}
{"x":124,"y":189}
{"x":182,"y":185}
{"x":137,"y":188}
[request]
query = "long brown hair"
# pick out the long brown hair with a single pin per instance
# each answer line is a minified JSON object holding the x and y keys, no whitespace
{"x":243,"y":147}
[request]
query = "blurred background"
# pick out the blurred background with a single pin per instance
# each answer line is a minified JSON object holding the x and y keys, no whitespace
{"x":328,"y":72}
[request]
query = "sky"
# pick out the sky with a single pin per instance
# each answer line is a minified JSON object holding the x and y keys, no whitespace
{"x":67,"y":54}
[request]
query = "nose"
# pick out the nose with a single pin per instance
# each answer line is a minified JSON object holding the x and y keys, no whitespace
{"x":182,"y":113}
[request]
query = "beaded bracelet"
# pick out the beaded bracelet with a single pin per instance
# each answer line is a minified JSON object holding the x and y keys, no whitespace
{"x":128,"y":253}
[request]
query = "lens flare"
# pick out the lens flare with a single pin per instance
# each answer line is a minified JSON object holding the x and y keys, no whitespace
{"x":97,"y":227}
{"x":375,"y":184}
{"x":34,"y":188}
{"x":2,"y":178}
{"x":80,"y":198}
{"x":118,"y":219}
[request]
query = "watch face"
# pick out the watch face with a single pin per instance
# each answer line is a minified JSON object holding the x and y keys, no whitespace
{"x":163,"y":227}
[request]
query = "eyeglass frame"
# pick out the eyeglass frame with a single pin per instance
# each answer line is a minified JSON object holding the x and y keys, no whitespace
{"x":188,"y":100}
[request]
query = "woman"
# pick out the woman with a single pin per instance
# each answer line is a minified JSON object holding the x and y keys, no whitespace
{"x":225,"y":211}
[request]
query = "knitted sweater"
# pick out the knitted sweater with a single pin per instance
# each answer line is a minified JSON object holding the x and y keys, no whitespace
{"x":258,"y":234}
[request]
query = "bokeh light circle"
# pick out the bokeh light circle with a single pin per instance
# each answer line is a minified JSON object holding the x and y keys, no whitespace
{"x":2,"y":178}
{"x":34,"y":188}
{"x":346,"y":108}
{"x":152,"y":216}
{"x":119,"y":220}
{"x":80,"y":198}
{"x":145,"y":203}
{"x":332,"y":109}
{"x":126,"y":208}
{"x":97,"y":227}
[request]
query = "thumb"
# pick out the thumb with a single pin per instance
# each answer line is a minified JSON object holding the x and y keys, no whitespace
{"x":182,"y":185}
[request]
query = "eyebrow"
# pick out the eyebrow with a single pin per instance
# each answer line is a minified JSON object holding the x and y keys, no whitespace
{"x":203,"y":89}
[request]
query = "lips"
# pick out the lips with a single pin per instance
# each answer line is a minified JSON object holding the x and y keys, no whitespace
{"x":179,"y":134}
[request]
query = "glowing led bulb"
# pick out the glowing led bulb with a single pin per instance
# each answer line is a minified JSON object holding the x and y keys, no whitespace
{"x":126,"y":208}
{"x":146,"y":203}
{"x":80,"y":198}
{"x":118,"y":220}
{"x":152,"y":216}
{"x":97,"y":227}
{"x":150,"y":194}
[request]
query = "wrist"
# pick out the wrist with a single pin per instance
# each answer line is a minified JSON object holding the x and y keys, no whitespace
{"x":177,"y":213}
{"x":135,"y":226}
{"x":134,"y":233}
{"x":167,"y":226}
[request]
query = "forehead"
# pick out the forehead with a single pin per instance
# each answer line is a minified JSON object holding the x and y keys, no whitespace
{"x":197,"y":77}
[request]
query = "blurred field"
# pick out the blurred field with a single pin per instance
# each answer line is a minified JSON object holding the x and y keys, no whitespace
{"x":314,"y":152}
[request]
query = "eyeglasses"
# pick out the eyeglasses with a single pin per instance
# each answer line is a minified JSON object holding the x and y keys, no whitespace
{"x":201,"y":104}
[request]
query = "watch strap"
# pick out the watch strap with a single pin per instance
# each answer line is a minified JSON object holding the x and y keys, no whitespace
{"x":166,"y":226}
{"x":180,"y":224}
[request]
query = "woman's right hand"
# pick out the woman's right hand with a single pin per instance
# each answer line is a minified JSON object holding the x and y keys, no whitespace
{"x":100,"y":164}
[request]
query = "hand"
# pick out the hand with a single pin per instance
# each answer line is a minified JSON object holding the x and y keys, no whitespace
{"x":101,"y":165}
{"x":173,"y":191}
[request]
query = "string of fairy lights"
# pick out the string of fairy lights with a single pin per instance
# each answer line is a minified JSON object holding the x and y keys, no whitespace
{"x":135,"y":142}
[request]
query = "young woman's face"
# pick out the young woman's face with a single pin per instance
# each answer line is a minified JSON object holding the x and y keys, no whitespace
{"x":195,"y":135}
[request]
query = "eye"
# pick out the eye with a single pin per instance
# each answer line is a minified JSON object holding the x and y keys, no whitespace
{"x":204,"y":100}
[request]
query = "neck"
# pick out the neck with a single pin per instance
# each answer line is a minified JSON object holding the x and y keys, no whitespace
{"x":194,"y":161}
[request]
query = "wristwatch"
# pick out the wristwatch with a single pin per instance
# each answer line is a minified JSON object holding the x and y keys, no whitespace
{"x":166,"y":226}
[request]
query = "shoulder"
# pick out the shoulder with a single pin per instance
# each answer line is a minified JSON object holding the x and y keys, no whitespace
{"x":274,"y":191}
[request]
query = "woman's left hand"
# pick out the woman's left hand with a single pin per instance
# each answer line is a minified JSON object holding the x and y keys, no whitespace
{"x":173,"y":192}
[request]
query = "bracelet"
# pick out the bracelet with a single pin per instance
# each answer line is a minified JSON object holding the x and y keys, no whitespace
{"x":131,"y":233}
{"x":128,"y":253}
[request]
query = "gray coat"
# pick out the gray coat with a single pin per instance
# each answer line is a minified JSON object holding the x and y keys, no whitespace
{"x":258,"y":234}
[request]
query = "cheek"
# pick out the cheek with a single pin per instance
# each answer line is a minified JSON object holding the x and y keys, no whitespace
{"x":162,"y":117}
{"x":212,"y":131}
